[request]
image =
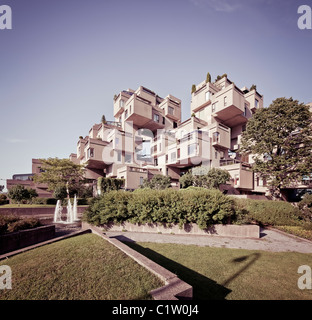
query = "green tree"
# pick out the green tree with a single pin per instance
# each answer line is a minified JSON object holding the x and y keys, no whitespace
{"x":19,"y":193}
{"x":60,"y":172}
{"x":253,"y":87}
{"x":280,"y":139}
{"x":208,"y":78}
{"x":212,"y":180}
{"x":158,"y":182}
{"x":186,"y":180}
{"x":103,"y":120}
{"x":60,"y":192}
{"x":109,"y":184}
{"x":193,"y":88}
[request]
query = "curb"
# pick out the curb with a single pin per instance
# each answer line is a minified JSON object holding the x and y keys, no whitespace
{"x":174,"y":288}
{"x":40,"y":244}
{"x":289,"y":234}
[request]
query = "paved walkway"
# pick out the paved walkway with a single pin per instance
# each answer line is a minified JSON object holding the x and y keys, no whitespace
{"x":270,"y":240}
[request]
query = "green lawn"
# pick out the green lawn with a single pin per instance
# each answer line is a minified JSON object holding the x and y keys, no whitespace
{"x":83,"y":267}
{"x":221,"y":273}
{"x":5,"y":206}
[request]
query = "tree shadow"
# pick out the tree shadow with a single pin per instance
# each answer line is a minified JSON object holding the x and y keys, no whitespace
{"x":250,"y":259}
{"x":203,"y":287}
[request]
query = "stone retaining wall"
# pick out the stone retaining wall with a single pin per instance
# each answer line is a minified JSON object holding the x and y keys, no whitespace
{"x":24,"y":238}
{"x":227,"y":230}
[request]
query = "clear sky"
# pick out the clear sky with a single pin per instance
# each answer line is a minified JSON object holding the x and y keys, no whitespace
{"x":63,"y":61}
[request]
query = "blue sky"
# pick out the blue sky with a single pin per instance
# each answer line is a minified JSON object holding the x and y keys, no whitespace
{"x":63,"y":61}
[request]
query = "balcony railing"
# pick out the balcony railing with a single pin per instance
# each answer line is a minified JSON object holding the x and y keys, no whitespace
{"x":228,"y":162}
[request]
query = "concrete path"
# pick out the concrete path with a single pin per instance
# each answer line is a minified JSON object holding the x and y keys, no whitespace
{"x":270,"y":240}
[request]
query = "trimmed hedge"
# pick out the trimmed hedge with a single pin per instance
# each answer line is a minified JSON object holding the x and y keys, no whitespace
{"x":11,"y":223}
{"x":202,"y":206}
{"x":266,"y":212}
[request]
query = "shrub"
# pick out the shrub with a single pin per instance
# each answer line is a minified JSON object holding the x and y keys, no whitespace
{"x":12,"y":223}
{"x":193,"y":88}
{"x":201,"y":206}
{"x":266,"y":212}
{"x":305,"y":207}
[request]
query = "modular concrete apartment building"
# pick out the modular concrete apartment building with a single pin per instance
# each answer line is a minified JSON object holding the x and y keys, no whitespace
{"x":148,"y":137}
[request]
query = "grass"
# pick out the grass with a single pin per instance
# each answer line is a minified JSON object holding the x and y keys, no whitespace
{"x":27,"y":206}
{"x":232,"y":274}
{"x":299,"y":231}
{"x":85,"y":267}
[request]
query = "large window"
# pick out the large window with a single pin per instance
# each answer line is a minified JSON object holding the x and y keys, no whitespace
{"x":214,"y":107}
{"x":256,"y":103}
{"x":156,"y":117}
{"x":173,"y":156}
{"x":215,"y":137}
{"x":191,"y":149}
{"x":207,"y":95}
{"x":128,"y":157}
{"x":90,"y":152}
{"x":171,"y":110}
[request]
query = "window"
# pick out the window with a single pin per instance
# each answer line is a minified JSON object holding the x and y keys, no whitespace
{"x":159,"y":146}
{"x":126,"y":114}
{"x":216,"y":154}
{"x":245,"y":110}
{"x":214,"y":107}
{"x":119,"y":156}
{"x":163,"y":120}
{"x":256,"y":103}
{"x":179,"y":152}
{"x":215,"y":137}
{"x":166,"y":158}
{"x":156,"y":117}
{"x":191,"y":149}
{"x":141,"y":180}
{"x":116,"y":141}
{"x":156,"y":162}
{"x":225,"y":101}
{"x":130,"y":108}
{"x":175,"y":125}
{"x":128,"y":158}
{"x":90,"y":153}
{"x":171,"y":110}
{"x":121,"y":103}
{"x":207,"y":95}
{"x":173,"y":156}
{"x":236,"y":180}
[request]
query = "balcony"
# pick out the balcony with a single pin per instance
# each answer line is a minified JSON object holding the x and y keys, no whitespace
{"x":242,"y":175}
{"x":172,"y":108}
{"x":93,"y":153}
{"x":120,"y":101}
{"x":221,"y":135}
{"x":229,"y":106}
{"x":138,"y":110}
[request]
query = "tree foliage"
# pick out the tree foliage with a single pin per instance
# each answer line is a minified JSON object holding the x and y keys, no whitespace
{"x":280,"y":139}
{"x":60,"y":172}
{"x":208,"y":78}
{"x":19,"y":193}
{"x":213,"y":179}
{"x":158,"y":182}
{"x":193,"y":88}
{"x":109,"y":184}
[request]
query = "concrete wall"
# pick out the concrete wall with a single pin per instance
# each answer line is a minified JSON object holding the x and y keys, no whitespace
{"x":16,"y":240}
{"x":245,"y":231}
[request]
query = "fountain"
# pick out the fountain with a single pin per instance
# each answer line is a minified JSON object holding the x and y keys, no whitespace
{"x":71,"y":215}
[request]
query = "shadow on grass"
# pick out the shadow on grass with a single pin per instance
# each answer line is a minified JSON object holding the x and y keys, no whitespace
{"x":203,"y":287}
